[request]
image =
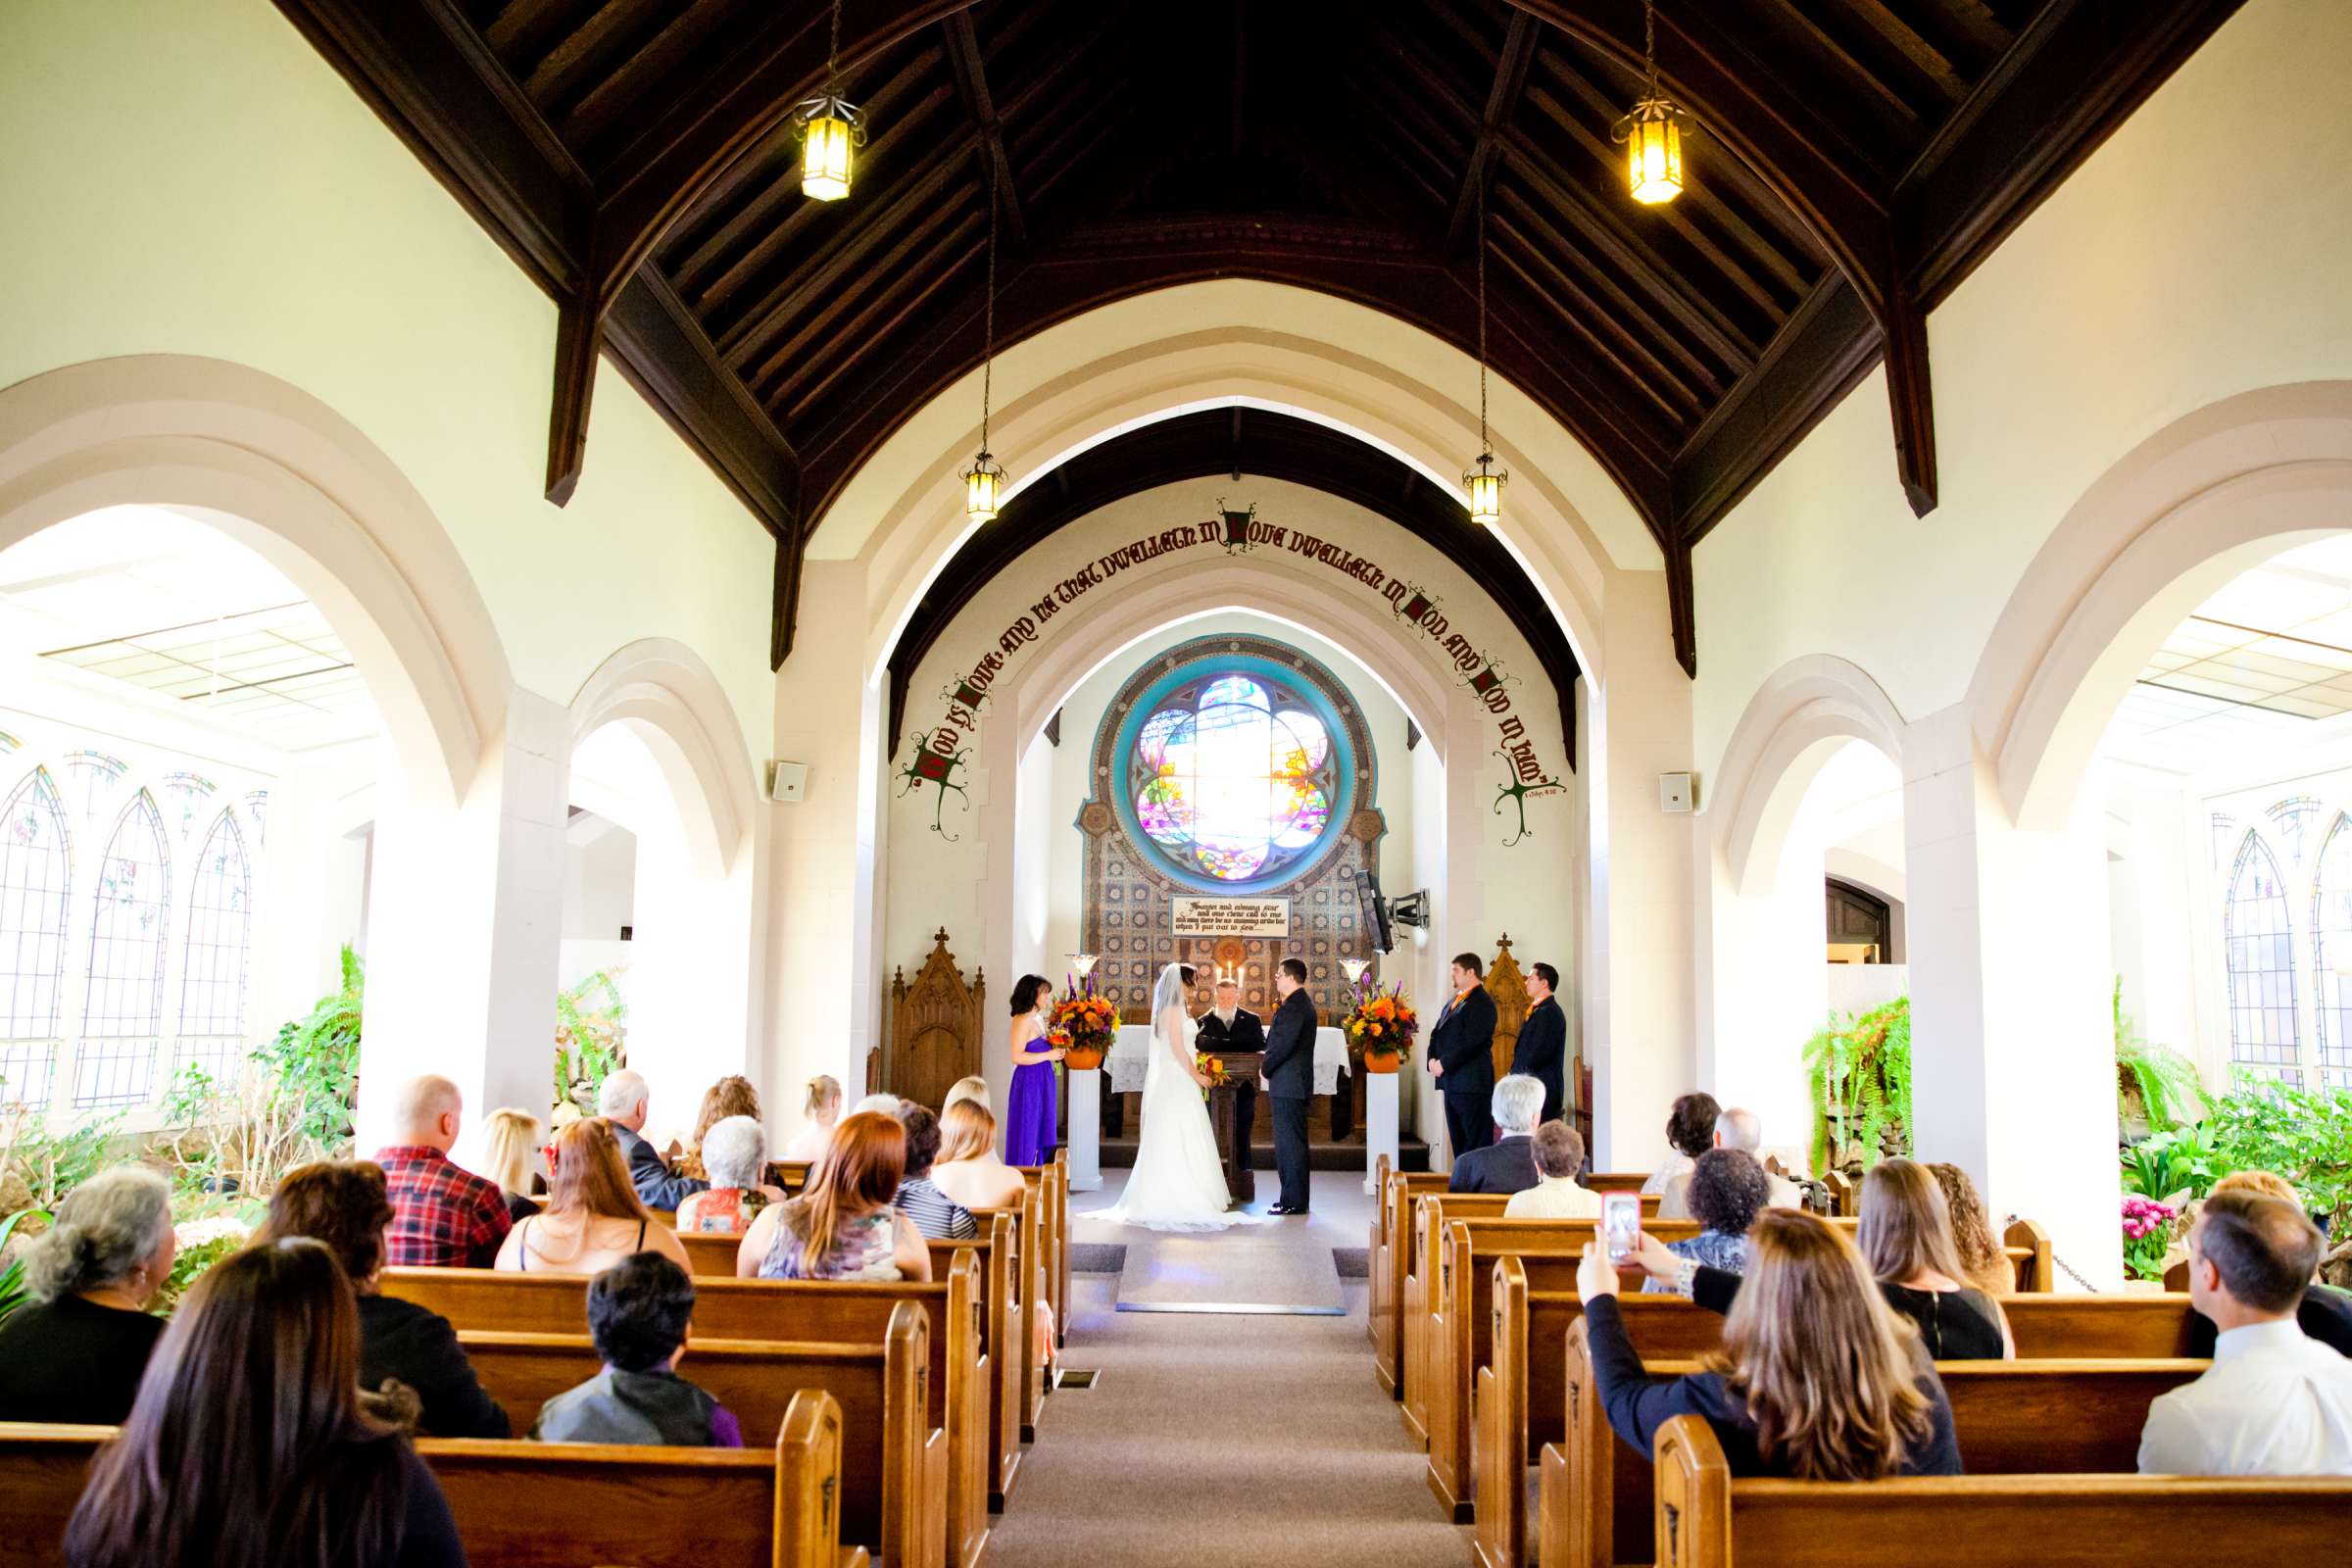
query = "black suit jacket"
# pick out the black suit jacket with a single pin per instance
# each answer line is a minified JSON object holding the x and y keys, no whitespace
{"x":1246,"y":1034}
{"x":657,"y":1184}
{"x":1290,"y":1066}
{"x":1509,"y":1167}
{"x":1542,"y":1049}
{"x":1463,"y":1042}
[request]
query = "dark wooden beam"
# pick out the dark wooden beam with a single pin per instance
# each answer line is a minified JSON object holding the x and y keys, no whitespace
{"x":1235,"y":443}
{"x":577,"y":338}
{"x":971,"y":84}
{"x":1518,"y":53}
{"x":1681,"y":609}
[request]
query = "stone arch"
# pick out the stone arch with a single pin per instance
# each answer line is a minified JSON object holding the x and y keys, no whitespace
{"x":1117,"y":369}
{"x":2205,"y":498}
{"x":663,"y":693}
{"x":291,"y":480}
{"x":1796,"y":721}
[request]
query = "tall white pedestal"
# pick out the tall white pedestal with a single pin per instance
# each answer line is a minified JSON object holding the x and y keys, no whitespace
{"x":1380,"y":1122}
{"x":1086,"y":1129}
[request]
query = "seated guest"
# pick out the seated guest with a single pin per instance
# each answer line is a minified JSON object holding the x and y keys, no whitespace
{"x":638,"y":1314}
{"x":877,"y":1105}
{"x":1691,"y":1131}
{"x":508,"y":1140}
{"x":842,"y":1226}
{"x":341,"y":1204}
{"x":735,"y":1151}
{"x":1816,"y":1380}
{"x":731,"y":1096}
{"x":1508,"y":1164}
{"x":74,"y":1350}
{"x":1906,"y":1237}
{"x":1983,"y":1263}
{"x":936,"y":1214}
{"x":248,"y":1444}
{"x":969,"y":1170}
{"x":2276,"y":1402}
{"x":1734,"y":1129}
{"x":974,"y":1088}
{"x":1726,"y":1193}
{"x":625,"y":1101}
{"x":1559,"y":1160}
{"x":593,"y":1217}
{"x":2325,"y":1314}
{"x":444,"y":1216}
{"x":823,"y":1109}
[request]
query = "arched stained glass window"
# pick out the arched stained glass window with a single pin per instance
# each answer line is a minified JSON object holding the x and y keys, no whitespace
{"x":2224,"y":839}
{"x":257,"y":807}
{"x":1236,"y":774}
{"x":2332,"y":954}
{"x":2297,"y":821}
{"x":211,"y":989}
{"x":123,"y":1013}
{"x":90,"y":780}
{"x":185,"y":797}
{"x":2263,"y":1037}
{"x":36,"y":871}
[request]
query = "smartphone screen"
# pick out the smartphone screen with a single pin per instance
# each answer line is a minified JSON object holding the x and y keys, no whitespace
{"x":1621,"y":1223}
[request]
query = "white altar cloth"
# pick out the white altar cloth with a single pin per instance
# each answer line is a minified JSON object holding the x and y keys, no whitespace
{"x":1127,"y":1058}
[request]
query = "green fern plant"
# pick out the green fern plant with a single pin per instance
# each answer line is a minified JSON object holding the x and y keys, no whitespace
{"x":591,"y":1039}
{"x":2163,"y":1081}
{"x":12,"y":1274}
{"x":1859,"y":1077}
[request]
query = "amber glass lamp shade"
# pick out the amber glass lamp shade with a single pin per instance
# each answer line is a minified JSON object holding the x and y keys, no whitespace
{"x":1485,"y":484}
{"x":825,"y":155}
{"x":1654,"y":151}
{"x":983,"y":489}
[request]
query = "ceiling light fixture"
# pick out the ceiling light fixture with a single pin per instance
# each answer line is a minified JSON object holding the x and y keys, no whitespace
{"x":984,"y":480}
{"x":829,"y":130}
{"x":1485,"y":482}
{"x":1652,"y":132}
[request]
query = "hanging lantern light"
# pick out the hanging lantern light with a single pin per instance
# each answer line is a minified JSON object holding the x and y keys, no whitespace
{"x":831,"y":130}
{"x":984,"y":480}
{"x":1484,"y":481}
{"x":1652,"y":132}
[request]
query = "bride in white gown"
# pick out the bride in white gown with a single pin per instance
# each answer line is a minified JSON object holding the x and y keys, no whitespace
{"x":1178,"y":1182}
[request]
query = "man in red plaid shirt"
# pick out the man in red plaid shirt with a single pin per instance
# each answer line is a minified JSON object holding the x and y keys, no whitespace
{"x":443,"y":1216}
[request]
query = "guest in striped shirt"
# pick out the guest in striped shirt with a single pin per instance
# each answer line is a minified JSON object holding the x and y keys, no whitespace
{"x":933,"y":1213}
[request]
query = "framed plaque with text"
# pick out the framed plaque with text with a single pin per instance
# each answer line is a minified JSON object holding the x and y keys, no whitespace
{"x":1231,"y":917}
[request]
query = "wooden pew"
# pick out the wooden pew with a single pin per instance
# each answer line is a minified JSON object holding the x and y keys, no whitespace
{"x":1595,"y":1491}
{"x":1053,"y":1235}
{"x":589,"y":1503}
{"x":894,"y":1459}
{"x":1392,"y":1254}
{"x":2065,"y":1521}
{"x":966,"y":1389}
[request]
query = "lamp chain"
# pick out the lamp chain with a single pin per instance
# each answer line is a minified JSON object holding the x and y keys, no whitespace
{"x":833,"y":49}
{"x":988,"y":358}
{"x":1482,"y":446}
{"x":1649,"y":39}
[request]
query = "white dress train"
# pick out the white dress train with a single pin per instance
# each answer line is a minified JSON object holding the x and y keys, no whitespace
{"x":1178,"y":1182}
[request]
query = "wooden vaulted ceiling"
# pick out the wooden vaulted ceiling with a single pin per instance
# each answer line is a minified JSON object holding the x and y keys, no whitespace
{"x":1239,"y":444}
{"x":1854,"y":160}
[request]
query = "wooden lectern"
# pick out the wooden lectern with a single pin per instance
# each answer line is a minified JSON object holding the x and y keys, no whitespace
{"x":1224,"y":1114}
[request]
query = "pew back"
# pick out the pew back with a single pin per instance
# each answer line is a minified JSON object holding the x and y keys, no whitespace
{"x":649,"y":1507}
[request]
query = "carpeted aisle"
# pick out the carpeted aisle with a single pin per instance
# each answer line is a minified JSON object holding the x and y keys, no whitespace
{"x":1225,"y":1440}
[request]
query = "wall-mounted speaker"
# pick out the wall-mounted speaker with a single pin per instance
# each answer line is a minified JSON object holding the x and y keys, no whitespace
{"x":787,"y":782}
{"x":1676,"y":794}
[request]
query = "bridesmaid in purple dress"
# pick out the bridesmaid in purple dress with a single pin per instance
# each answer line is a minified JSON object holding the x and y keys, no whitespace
{"x":1029,"y":1110}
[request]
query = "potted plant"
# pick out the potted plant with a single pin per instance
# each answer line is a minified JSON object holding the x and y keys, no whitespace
{"x":1382,"y":1026}
{"x":1085,"y":1020}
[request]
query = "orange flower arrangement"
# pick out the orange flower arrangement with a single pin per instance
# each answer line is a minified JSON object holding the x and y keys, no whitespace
{"x":1212,"y":1066}
{"x":1082,"y":1023}
{"x":1383,"y":1026}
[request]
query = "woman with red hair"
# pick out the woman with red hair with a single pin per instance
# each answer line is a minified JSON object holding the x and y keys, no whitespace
{"x":843,"y":1226}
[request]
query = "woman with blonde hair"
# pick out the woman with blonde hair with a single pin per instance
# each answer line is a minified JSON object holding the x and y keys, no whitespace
{"x":823,"y":1109}
{"x":731,"y":1096}
{"x":1982,"y":1261}
{"x":1906,"y":1237}
{"x":974,"y":1088}
{"x":509,"y":1139}
{"x":593,"y":1217}
{"x":1816,"y":1380}
{"x":968,"y":1169}
{"x":844,"y":1225}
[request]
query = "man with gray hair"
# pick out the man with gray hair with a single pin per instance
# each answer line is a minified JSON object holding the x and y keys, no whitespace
{"x":624,"y":1102}
{"x":1742,"y":1130}
{"x":1509,"y":1167}
{"x":442,"y":1216}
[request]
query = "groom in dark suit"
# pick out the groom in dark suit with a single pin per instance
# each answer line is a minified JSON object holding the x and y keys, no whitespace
{"x":1542,"y":1049}
{"x":1289,"y":1074}
{"x":1462,"y":1058}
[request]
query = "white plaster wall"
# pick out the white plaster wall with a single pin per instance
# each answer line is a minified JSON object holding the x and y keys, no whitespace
{"x":600,"y":882}
{"x":2195,"y":256}
{"x":227,"y":194}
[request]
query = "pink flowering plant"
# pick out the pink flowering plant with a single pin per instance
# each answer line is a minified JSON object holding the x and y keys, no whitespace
{"x":2147,"y":1236}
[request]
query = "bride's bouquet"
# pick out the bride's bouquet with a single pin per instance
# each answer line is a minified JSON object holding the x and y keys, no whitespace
{"x":1211,"y":1067}
{"x":1382,"y":1025}
{"x":1086,"y":1019}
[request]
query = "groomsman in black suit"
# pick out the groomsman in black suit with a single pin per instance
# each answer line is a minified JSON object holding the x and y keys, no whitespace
{"x":1462,"y":1058}
{"x":1290,"y":1078}
{"x":1542,"y":1049}
{"x":1230,"y":1026}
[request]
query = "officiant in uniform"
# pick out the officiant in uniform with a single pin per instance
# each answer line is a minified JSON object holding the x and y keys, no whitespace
{"x":1229,"y":1026}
